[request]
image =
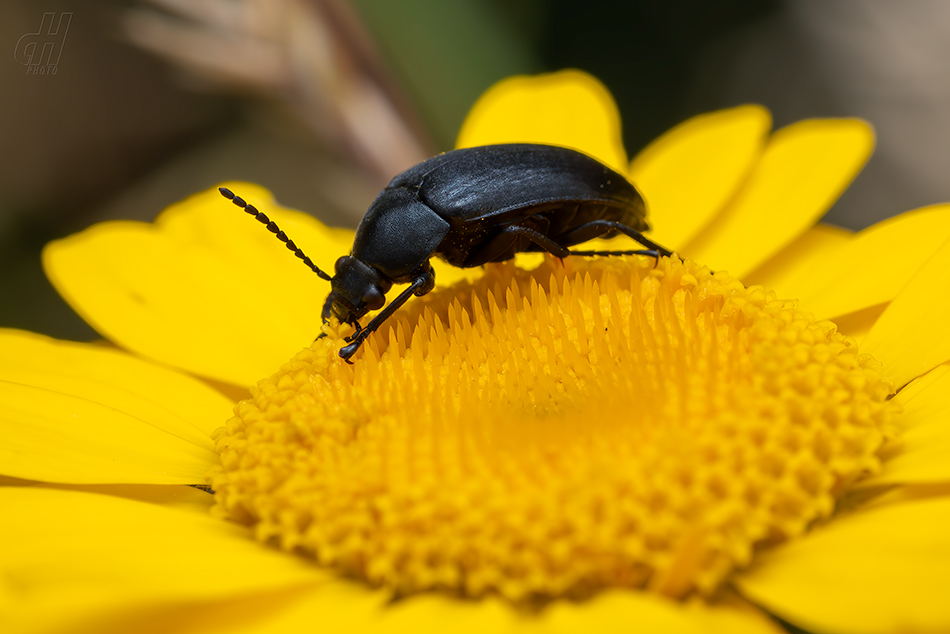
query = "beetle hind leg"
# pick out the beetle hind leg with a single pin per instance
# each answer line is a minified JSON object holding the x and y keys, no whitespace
{"x":597,"y":228}
{"x":503,"y":246}
{"x":651,"y":252}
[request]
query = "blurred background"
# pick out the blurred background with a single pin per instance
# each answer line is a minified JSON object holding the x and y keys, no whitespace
{"x":117,"y":109}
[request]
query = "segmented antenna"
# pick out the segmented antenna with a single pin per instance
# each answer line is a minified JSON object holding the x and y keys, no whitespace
{"x":273,"y":228}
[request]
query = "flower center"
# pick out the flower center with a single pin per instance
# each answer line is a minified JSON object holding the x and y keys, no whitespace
{"x":590,"y":424}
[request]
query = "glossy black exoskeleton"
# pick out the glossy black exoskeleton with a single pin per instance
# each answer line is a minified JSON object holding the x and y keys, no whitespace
{"x":469,"y":207}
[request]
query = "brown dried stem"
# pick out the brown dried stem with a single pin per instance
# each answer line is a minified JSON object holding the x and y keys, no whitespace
{"x":312,"y":55}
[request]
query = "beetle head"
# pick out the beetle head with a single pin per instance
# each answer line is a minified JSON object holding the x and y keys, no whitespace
{"x":357,"y":288}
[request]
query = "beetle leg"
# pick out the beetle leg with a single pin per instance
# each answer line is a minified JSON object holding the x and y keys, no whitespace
{"x":603,"y":226}
{"x":498,"y":246}
{"x":422,"y":285}
{"x":541,"y":240}
{"x":650,"y":252}
{"x":359,"y":328}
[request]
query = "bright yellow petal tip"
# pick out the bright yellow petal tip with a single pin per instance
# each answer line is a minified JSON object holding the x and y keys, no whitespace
{"x":569,"y":108}
{"x":204,"y":288}
{"x":802,"y":171}
{"x":881,"y":569}
{"x":689,"y":173}
{"x":911,"y":335}
{"x":591,"y":424}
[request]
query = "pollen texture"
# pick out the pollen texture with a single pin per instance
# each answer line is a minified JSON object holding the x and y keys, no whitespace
{"x":589,"y":424}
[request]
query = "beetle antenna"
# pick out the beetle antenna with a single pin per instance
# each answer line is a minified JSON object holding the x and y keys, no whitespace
{"x":273,"y":228}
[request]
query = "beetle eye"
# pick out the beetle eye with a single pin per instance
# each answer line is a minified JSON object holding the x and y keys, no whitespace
{"x":373,"y":298}
{"x":341,"y":263}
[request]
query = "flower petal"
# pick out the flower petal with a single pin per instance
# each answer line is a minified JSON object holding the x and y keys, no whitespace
{"x":643,"y":612}
{"x":910,"y":337}
{"x":689,"y":173}
{"x":203,"y":288}
{"x":923,"y":449}
{"x":908,"y":493}
{"x":186,"y":498}
{"x":82,"y":555}
{"x":803,"y":170}
{"x":85,"y":414}
{"x":345,"y":606}
{"x":894,"y":250}
{"x":783,"y":272}
{"x":885,"y":569}
{"x":429,"y":614}
{"x":568,"y":108}
{"x":858,"y":324}
{"x":332,"y":606}
{"x":337,"y":606}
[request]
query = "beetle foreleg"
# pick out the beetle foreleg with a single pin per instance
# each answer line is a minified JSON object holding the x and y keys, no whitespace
{"x":421,"y":285}
{"x":359,"y":329}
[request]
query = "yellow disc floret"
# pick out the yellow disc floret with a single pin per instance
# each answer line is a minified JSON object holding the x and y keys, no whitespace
{"x":589,"y":424}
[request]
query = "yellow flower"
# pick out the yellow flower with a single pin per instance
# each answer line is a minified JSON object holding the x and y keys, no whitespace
{"x":586,"y":445}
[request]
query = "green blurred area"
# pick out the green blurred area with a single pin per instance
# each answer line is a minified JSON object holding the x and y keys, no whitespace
{"x":447,"y":53}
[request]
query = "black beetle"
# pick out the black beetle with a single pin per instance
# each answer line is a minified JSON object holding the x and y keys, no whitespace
{"x":469,"y":207}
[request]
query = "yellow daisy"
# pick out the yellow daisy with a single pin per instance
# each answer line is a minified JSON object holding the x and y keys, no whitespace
{"x":586,"y":445}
